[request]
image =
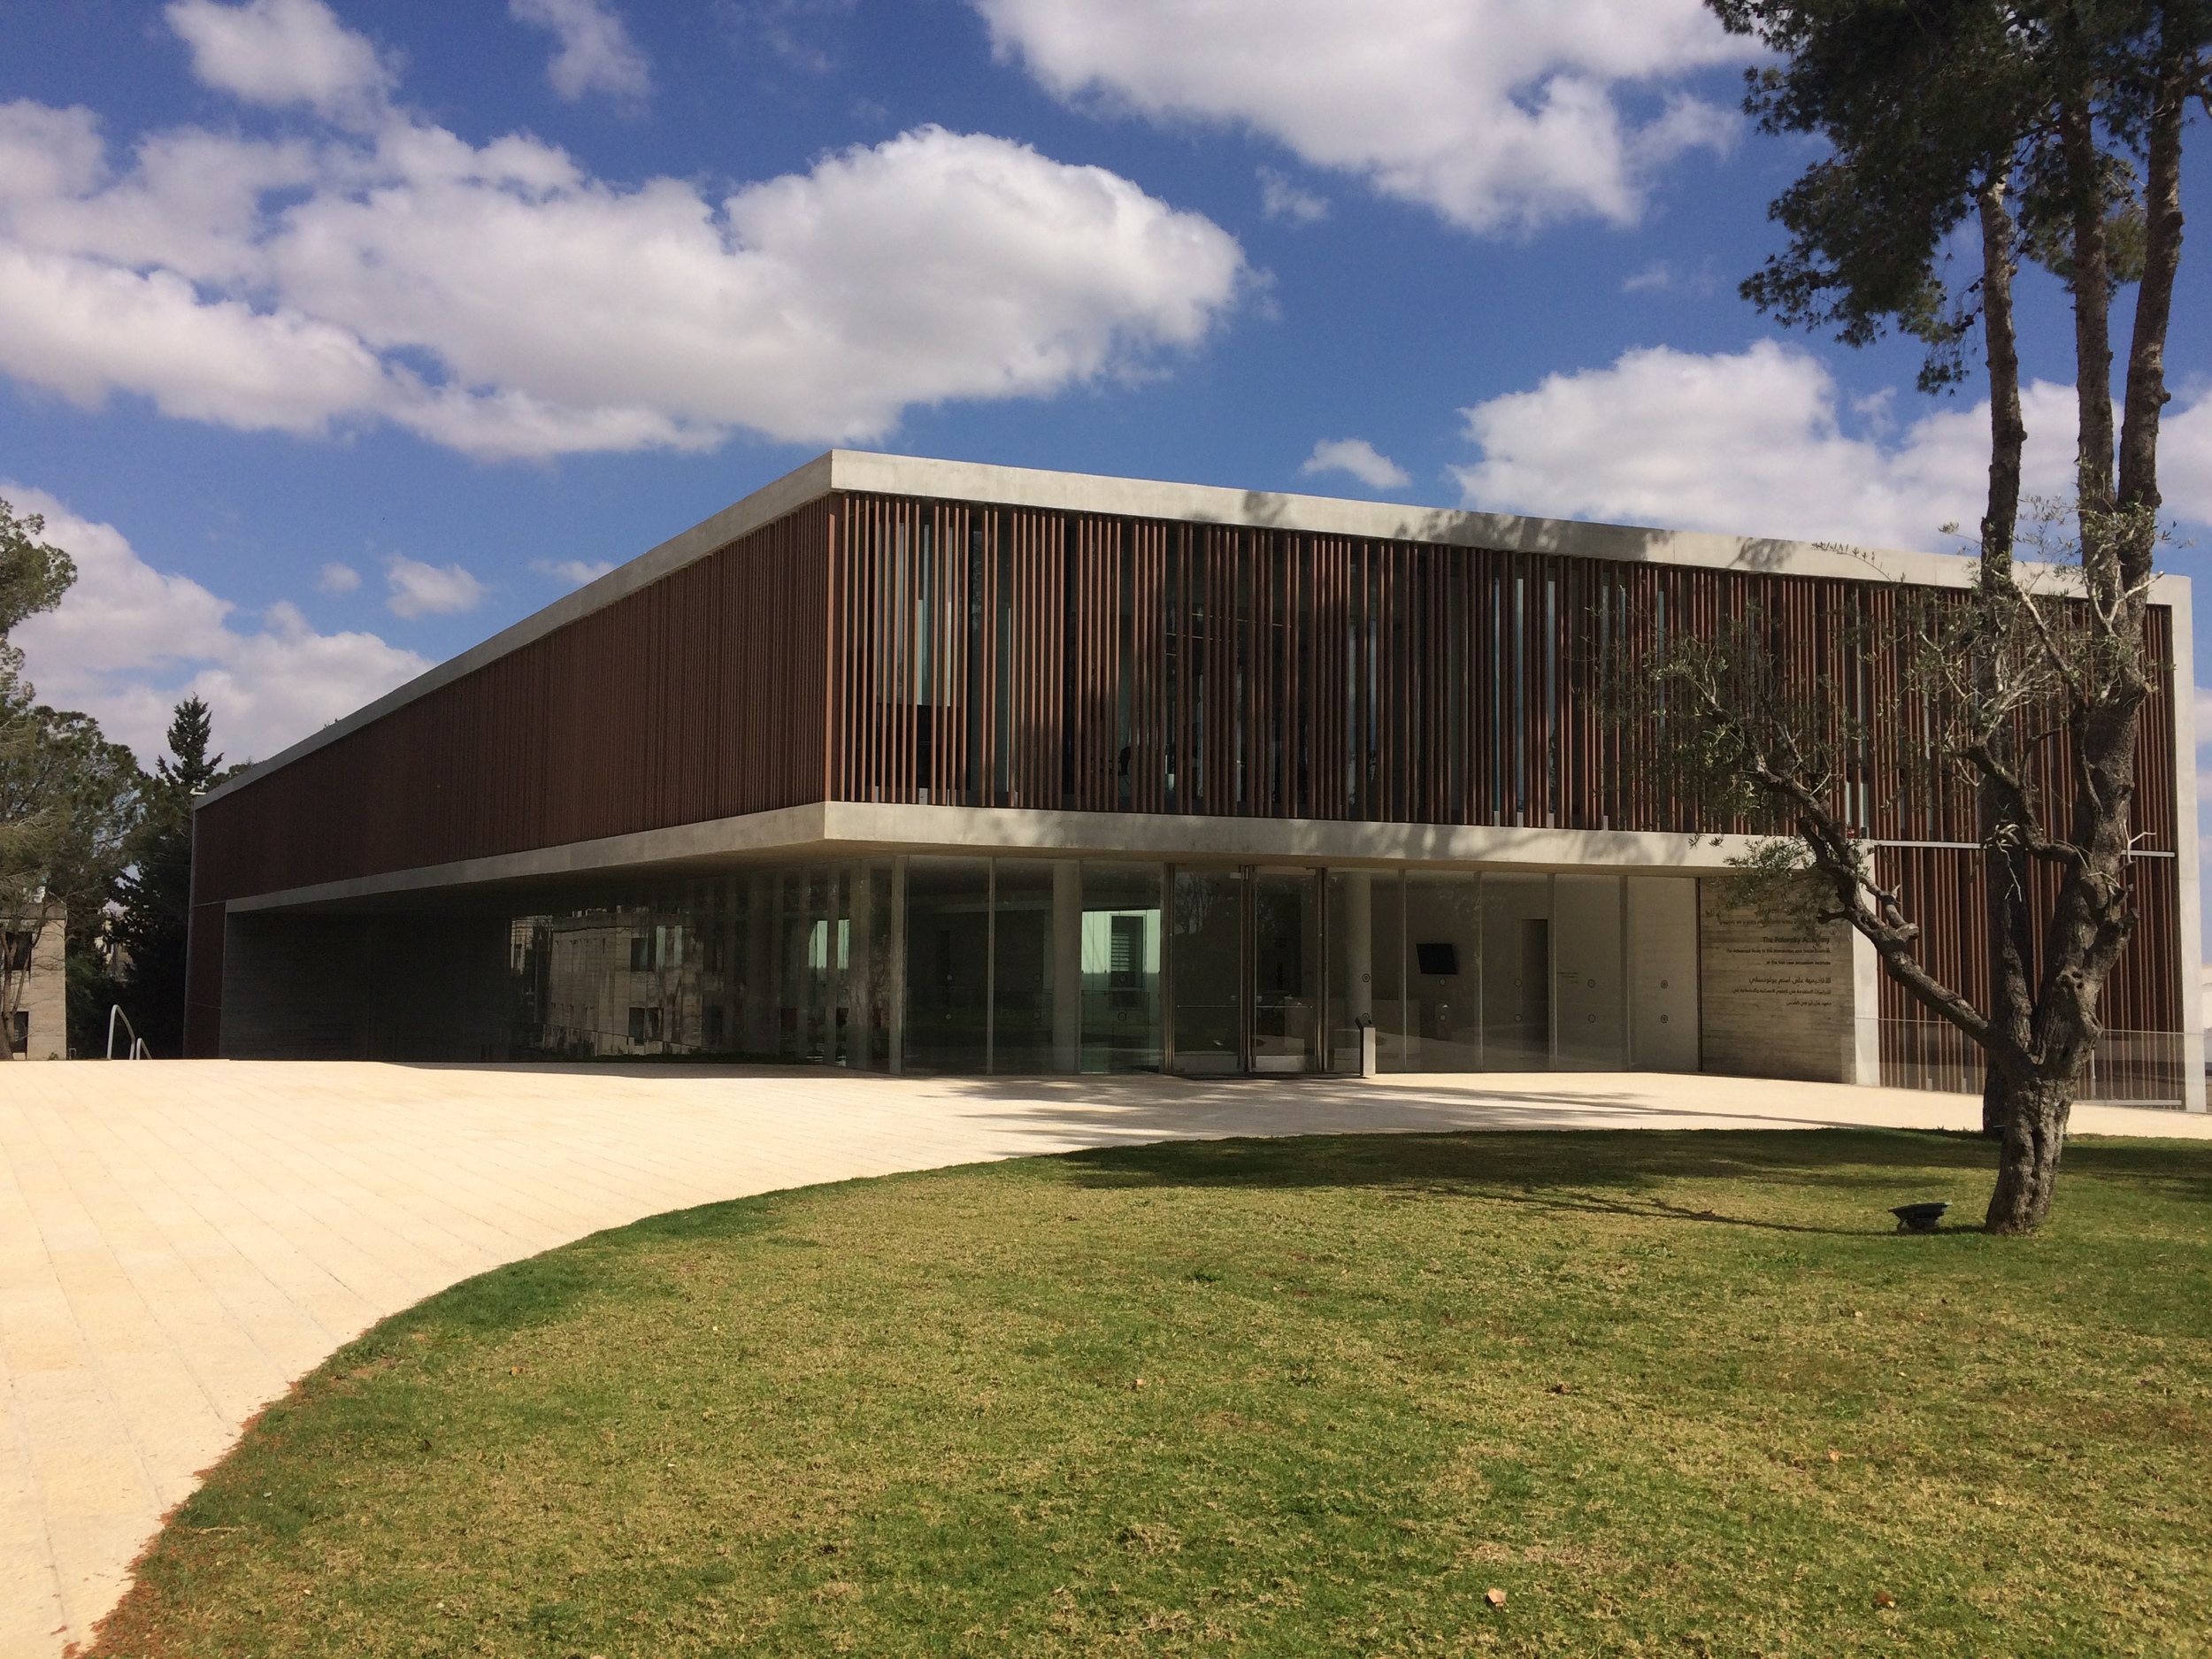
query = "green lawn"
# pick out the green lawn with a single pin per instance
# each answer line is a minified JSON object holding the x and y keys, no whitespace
{"x":1670,"y":1393}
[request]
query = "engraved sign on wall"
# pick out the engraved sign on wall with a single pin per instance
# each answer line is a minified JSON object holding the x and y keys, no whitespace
{"x":1777,"y":1000}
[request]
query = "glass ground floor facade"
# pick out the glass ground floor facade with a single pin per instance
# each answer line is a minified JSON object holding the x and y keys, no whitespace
{"x":934,"y":964}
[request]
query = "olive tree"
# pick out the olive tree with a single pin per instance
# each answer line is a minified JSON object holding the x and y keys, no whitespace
{"x":2048,"y":130}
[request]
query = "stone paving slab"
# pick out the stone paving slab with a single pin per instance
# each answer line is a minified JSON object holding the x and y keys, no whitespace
{"x":178,"y":1241}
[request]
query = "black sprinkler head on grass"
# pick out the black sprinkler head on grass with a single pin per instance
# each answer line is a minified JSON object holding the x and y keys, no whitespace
{"x":1918,"y":1218}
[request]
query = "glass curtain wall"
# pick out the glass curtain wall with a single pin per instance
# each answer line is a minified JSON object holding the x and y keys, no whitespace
{"x":969,"y":965}
{"x":1443,"y":1000}
{"x":1516,"y":973}
{"x":1207,"y":962}
{"x":1286,"y":970}
{"x":947,"y":965}
{"x":1366,"y":958}
{"x":779,"y":963}
{"x":1022,"y":966}
{"x":1118,"y":967}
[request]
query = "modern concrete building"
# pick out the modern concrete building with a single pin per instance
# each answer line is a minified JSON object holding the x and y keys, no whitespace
{"x":921,"y":766}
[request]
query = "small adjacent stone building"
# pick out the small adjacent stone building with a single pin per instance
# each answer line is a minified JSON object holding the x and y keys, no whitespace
{"x":36,"y":962}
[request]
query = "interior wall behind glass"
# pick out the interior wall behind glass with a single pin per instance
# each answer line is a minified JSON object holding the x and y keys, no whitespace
{"x":948,"y":963}
{"x":1443,"y":973}
{"x":1119,"y":964}
{"x":1022,"y":1023}
{"x":1207,"y":970}
{"x":1586,"y":976}
{"x":1516,"y":972}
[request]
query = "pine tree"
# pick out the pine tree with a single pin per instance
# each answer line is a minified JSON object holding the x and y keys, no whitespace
{"x":156,"y":892}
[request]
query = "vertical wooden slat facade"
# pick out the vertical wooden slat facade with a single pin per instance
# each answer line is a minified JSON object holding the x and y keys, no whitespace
{"x":1222,"y":670}
{"x":881,"y":648}
{"x":697,"y":697}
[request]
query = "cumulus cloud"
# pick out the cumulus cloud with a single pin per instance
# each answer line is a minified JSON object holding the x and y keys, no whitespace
{"x":1753,"y":442}
{"x":338,"y":579}
{"x":429,"y":590}
{"x":281,"y":52}
{"x":500,"y":300}
{"x":596,"y":55}
{"x":128,"y":642}
{"x":1500,"y":117}
{"x":575,"y":573}
{"x":1358,"y":457}
{"x":1663,"y":276}
{"x":2185,"y":459}
{"x":1281,"y":199}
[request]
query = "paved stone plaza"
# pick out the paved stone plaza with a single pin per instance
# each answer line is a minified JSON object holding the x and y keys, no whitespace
{"x":180,"y":1241}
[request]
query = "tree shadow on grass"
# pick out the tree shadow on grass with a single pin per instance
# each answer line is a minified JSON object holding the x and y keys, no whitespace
{"x":1616,"y":1172}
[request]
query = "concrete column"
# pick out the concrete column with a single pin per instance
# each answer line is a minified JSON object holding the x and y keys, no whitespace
{"x":1067,"y":965}
{"x":1359,"y":946}
{"x":1866,"y":1013}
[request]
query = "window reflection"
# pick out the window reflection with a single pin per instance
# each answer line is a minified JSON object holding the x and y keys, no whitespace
{"x":972,"y":965}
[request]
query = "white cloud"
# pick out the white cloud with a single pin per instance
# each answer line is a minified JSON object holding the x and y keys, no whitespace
{"x":2185,"y":459}
{"x":1663,"y":276}
{"x":429,"y":590}
{"x":1358,"y":457}
{"x":1499,"y":115}
{"x":338,"y":579}
{"x":281,"y":52}
{"x":1751,"y":443}
{"x":596,"y":55}
{"x":500,"y":300}
{"x":128,"y":643}
{"x":575,"y":573}
{"x":1281,"y":199}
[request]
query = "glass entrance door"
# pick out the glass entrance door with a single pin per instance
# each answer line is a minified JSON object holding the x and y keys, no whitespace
{"x":1286,"y":970}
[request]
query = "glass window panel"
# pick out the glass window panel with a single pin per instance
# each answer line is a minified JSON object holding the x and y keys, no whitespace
{"x":1209,"y":963}
{"x":1351,"y":900}
{"x":1286,"y":970}
{"x":1516,"y":972}
{"x":759,"y":986}
{"x":1593,"y":1004}
{"x":1120,"y":967}
{"x":948,"y":959}
{"x":1386,"y":956}
{"x":864,"y":1016}
{"x":1022,"y":1028}
{"x":1443,"y":973}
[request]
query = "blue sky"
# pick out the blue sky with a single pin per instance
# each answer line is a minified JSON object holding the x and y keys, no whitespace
{"x":333,"y":338}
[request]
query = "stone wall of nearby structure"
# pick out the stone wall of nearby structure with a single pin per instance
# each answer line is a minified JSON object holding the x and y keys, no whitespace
{"x":46,"y":996}
{"x":1777,"y":1002}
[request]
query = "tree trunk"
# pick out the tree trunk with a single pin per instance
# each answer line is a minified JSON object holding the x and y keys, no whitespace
{"x":2035,"y":1110}
{"x":2004,"y":866}
{"x":2091,"y":286}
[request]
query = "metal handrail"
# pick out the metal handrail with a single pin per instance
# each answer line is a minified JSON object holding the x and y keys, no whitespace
{"x":138,"y":1050}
